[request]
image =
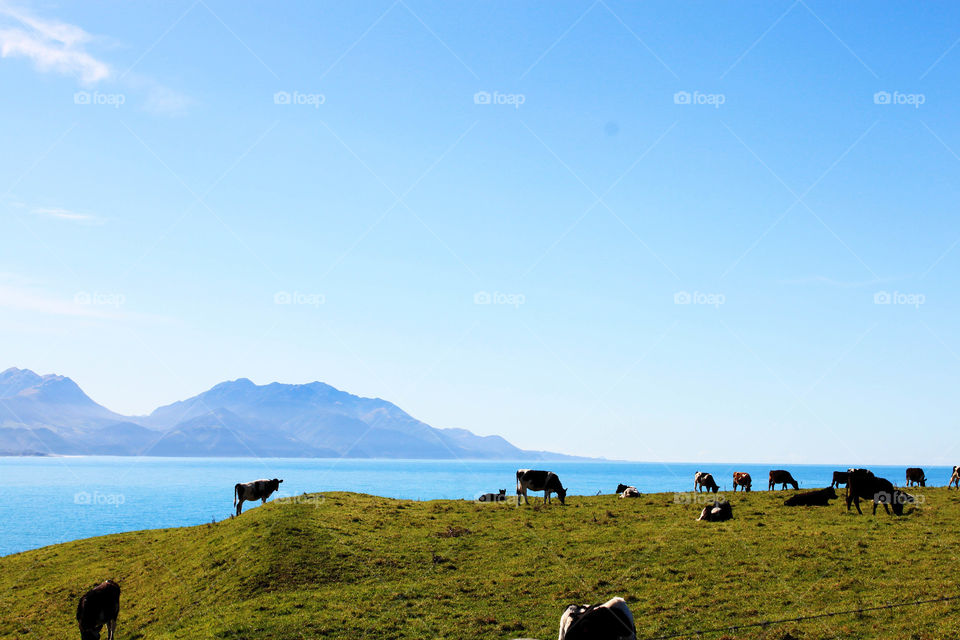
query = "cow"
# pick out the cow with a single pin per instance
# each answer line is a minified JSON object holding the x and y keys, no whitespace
{"x":839,"y":478}
{"x":630,"y":492}
{"x":864,"y":485}
{"x":611,"y":620}
{"x":493,"y":497}
{"x":533,"y":480}
{"x":622,"y":487}
{"x":97,"y":607}
{"x":915,"y":475}
{"x":742,"y":479}
{"x":818,"y":498}
{"x":256,"y":490}
{"x":718,"y":511}
{"x":703,"y":480}
{"x":955,"y":478}
{"x":781,"y":477}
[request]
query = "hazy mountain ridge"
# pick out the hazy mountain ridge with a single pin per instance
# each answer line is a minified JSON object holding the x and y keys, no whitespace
{"x":51,"y":414}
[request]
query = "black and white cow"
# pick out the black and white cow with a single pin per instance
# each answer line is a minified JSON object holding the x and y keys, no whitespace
{"x":97,"y":607}
{"x":533,"y":480}
{"x":256,"y":490}
{"x":611,"y":620}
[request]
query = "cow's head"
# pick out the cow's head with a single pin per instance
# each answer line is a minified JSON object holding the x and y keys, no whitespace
{"x":89,"y":633}
{"x":562,"y":494}
{"x":275,"y":484}
{"x":621,"y":488}
{"x":901,"y":498}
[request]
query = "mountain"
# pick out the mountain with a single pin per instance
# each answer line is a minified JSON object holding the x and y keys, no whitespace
{"x":51,"y":414}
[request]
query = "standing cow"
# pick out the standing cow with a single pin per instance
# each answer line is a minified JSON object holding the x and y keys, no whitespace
{"x":742,"y":479}
{"x":703,"y":480}
{"x":955,"y":478}
{"x":781,"y":477}
{"x":839,"y":478}
{"x":533,"y":480}
{"x":915,"y":475}
{"x":256,"y":490}
{"x":97,"y":607}
{"x":864,"y":485}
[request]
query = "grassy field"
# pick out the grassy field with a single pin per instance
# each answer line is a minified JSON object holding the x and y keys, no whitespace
{"x":356,"y":566}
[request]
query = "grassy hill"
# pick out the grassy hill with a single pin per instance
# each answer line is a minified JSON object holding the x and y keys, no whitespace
{"x":356,"y":566}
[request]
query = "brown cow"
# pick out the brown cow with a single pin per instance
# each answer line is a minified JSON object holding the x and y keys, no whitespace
{"x":742,"y":479}
{"x":781,"y":477}
{"x":915,"y":475}
{"x":97,"y":607}
{"x":703,"y":480}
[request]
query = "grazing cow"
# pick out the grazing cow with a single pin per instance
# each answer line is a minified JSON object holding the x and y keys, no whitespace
{"x":256,"y":490}
{"x":915,"y":475}
{"x":955,"y":478}
{"x":839,"y":478}
{"x":818,"y":498}
{"x":533,"y":480}
{"x":611,"y":620}
{"x":97,"y":607}
{"x":742,"y":479}
{"x":719,"y":511}
{"x":630,"y":492}
{"x":781,"y":477}
{"x":703,"y":480}
{"x":864,"y":485}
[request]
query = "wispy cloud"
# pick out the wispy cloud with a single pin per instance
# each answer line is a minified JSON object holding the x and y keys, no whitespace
{"x":50,"y":44}
{"x":19,"y":298}
{"x":843,"y":284}
{"x":72,"y":216}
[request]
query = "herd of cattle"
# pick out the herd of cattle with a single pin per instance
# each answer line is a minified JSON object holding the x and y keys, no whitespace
{"x":607,"y":621}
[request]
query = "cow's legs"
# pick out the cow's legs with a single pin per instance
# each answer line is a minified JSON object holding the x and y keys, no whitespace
{"x":239,"y":506}
{"x":263,"y":501}
{"x":111,"y":628}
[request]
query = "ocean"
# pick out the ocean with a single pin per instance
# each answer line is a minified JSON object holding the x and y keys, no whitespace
{"x":51,"y":500}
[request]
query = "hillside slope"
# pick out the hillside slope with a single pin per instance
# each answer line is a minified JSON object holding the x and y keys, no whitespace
{"x":354,"y":566}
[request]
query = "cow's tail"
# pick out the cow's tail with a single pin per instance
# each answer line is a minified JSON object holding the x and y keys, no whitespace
{"x":518,"y":482}
{"x":236,"y":493}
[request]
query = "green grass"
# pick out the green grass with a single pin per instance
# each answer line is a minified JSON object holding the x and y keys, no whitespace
{"x":357,"y":566}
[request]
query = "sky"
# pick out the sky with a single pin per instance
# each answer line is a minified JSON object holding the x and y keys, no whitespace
{"x":651,"y":231}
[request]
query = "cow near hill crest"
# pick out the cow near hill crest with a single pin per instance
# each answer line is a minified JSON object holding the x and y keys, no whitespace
{"x":534,"y":480}
{"x":256,"y":490}
{"x":783,"y":478}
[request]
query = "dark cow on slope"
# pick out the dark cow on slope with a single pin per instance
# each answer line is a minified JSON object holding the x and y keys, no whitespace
{"x":97,"y":607}
{"x":915,"y":475}
{"x":818,"y":498}
{"x":839,"y":478}
{"x":864,"y":485}
{"x":718,"y":511}
{"x":703,"y":480}
{"x":611,"y":620}
{"x":533,"y":480}
{"x":256,"y":490}
{"x":781,"y":477}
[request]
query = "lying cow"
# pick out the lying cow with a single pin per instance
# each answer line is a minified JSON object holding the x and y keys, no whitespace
{"x":781,"y":477}
{"x":533,"y":480}
{"x":630,"y":492}
{"x":256,"y":490}
{"x":494,"y":497}
{"x":955,"y":478}
{"x":742,"y":479}
{"x":864,"y":485}
{"x":611,"y":620}
{"x":839,"y":478}
{"x":915,"y":475}
{"x":623,"y":487}
{"x":703,"y":480}
{"x":97,"y":607}
{"x":818,"y":498}
{"x":719,"y":511}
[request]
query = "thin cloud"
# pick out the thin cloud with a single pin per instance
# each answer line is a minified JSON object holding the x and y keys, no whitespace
{"x":16,"y":298}
{"x":66,"y":214}
{"x":842,"y":284}
{"x":51,"y":45}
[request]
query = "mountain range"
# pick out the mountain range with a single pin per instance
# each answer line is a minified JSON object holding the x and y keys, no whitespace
{"x":51,"y":415}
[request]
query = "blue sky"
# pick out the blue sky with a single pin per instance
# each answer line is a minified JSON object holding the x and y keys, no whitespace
{"x":652,"y":231}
